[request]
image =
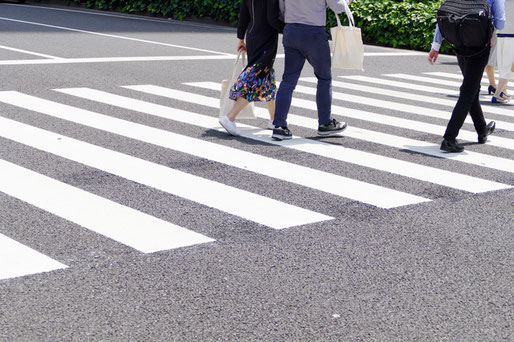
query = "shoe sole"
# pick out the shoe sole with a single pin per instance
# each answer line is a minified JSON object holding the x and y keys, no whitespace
{"x":500,"y":101}
{"x":451,"y":151}
{"x":332,"y":132}
{"x":280,"y":138}
{"x":228,"y":131}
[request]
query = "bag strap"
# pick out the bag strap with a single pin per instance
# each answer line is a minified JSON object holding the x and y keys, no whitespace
{"x":348,"y":13}
{"x":241,"y":54}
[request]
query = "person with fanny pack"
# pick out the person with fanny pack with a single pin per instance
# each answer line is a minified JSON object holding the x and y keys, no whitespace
{"x":472,"y":63}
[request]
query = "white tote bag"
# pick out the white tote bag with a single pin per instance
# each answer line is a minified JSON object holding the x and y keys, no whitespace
{"x":226,"y":103}
{"x":347,"y":46}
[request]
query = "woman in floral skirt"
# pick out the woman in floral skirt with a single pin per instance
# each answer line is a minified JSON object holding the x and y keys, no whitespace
{"x":259,"y":21}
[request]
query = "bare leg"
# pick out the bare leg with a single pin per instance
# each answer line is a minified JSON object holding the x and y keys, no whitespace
{"x":502,"y":87}
{"x":241,"y":102}
{"x":271,"y":109}
{"x":489,"y":69}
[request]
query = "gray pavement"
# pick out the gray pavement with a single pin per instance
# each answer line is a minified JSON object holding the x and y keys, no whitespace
{"x":437,"y":270}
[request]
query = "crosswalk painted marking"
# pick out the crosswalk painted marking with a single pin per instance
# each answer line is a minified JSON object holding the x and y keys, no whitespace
{"x":404,"y":168}
{"x":401,"y":107}
{"x":111,"y":60}
{"x":123,"y":224}
{"x":18,"y":260}
{"x":149,"y":234}
{"x":443,"y":82}
{"x":427,"y":89}
{"x":424,"y":79}
{"x":401,"y":143}
{"x":234,"y":201}
{"x":406,"y":123}
{"x":383,"y":92}
{"x":397,"y":84}
{"x":338,"y":185}
{"x":29,"y":52}
{"x":459,"y":77}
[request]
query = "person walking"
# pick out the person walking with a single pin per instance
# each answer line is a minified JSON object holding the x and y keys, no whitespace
{"x":259,"y":21}
{"x":472,"y":64}
{"x":505,"y":55}
{"x":491,"y":63}
{"x":305,"y":39}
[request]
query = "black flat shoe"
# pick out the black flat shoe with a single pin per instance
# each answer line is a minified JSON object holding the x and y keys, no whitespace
{"x":482,"y":138}
{"x":451,"y":146}
{"x":491,"y":90}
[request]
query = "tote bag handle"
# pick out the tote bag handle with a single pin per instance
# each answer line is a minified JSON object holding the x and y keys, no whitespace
{"x":348,"y":13}
{"x":235,"y":70}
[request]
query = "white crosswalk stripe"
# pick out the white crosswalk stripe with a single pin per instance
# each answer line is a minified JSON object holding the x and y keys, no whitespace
{"x":210,"y":193}
{"x":421,"y":172}
{"x":506,"y":107}
{"x":341,"y":186}
{"x":147,"y":234}
{"x":397,"y":84}
{"x":429,"y":89}
{"x":400,"y":107}
{"x":469,"y":157}
{"x":123,"y":224}
{"x":438,"y":81}
{"x":19,"y":260}
{"x":485,"y":81}
{"x":454,"y":84}
{"x":405,"y":123}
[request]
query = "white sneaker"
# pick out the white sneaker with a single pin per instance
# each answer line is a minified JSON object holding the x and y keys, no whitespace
{"x":229,"y":126}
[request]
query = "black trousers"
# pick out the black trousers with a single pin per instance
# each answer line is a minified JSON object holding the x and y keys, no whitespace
{"x":472,"y":69}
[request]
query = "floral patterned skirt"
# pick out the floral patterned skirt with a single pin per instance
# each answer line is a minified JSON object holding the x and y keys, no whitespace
{"x":255,"y":84}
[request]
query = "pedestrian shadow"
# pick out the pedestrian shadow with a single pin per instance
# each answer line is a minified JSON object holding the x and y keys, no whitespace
{"x":449,"y":63}
{"x":224,"y":136}
{"x":256,"y":137}
{"x":434,"y":151}
{"x":260,"y":137}
{"x":336,"y":139}
{"x":418,"y":153}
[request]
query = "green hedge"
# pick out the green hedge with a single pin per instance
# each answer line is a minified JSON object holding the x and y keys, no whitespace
{"x":224,"y":10}
{"x":398,"y":23}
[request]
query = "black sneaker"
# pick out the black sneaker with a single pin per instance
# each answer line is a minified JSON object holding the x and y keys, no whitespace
{"x":281,"y":133}
{"x":332,"y":128}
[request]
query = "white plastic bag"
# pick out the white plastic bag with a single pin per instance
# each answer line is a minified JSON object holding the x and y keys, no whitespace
{"x":226,"y":103}
{"x":347,"y":46}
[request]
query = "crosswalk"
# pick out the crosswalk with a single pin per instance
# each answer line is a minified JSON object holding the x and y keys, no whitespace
{"x":420,"y":104}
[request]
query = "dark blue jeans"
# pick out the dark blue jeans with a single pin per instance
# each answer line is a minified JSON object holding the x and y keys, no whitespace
{"x":305,"y":42}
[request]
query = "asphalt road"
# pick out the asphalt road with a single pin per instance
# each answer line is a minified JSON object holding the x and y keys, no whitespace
{"x":126,"y":215}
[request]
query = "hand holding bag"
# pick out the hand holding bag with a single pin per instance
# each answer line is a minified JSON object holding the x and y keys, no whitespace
{"x":347,"y":46}
{"x":226,"y":103}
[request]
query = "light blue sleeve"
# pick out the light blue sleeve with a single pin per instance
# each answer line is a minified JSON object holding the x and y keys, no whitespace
{"x":498,"y":13}
{"x":438,"y":39}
